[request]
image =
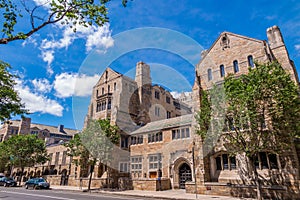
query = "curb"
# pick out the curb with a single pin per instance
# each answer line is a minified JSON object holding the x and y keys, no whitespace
{"x":118,"y":194}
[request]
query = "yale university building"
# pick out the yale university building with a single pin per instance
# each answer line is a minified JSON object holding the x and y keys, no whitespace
{"x":158,"y":131}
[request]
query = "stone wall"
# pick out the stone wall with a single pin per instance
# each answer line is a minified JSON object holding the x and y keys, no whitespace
{"x":151,"y":184}
{"x":246,"y":191}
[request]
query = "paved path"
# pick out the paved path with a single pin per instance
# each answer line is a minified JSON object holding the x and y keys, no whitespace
{"x":167,"y":194}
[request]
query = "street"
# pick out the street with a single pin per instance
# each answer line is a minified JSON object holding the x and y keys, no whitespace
{"x":8,"y":193}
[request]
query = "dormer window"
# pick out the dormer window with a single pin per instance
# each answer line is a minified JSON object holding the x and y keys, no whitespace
{"x":225,"y":42}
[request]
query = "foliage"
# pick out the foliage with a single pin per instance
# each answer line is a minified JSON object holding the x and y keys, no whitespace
{"x":263,"y":110}
{"x":261,"y":113}
{"x":10,"y":102}
{"x":203,"y":117}
{"x":94,"y":144}
{"x":82,"y":12}
{"x":4,"y":158}
{"x":25,"y":150}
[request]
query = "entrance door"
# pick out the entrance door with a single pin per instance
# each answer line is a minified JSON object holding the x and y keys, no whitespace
{"x":64,"y":178}
{"x":185,"y":175}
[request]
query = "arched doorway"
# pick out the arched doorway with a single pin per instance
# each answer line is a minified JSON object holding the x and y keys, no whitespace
{"x":64,"y":177}
{"x":185,"y":175}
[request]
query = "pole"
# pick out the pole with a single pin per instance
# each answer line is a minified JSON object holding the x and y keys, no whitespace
{"x":194,"y":170}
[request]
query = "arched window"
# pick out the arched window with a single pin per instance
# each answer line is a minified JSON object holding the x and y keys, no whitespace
{"x":209,"y":75}
{"x":236,"y":66}
{"x":222,"y":71}
{"x":108,"y":88}
{"x":250,"y":61}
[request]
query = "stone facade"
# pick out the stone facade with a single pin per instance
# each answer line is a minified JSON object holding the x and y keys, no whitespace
{"x":51,"y":134}
{"x":217,"y":172}
{"x":157,"y":152}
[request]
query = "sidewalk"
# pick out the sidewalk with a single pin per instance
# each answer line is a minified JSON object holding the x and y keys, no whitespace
{"x":167,"y":194}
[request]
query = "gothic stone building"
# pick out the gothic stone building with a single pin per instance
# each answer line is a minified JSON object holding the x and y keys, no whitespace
{"x":217,"y":172}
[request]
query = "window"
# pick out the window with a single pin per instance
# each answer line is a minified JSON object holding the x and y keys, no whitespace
{"x":108,"y":88}
{"x":123,"y":167}
{"x":168,"y":115}
{"x":180,"y":133}
{"x":56,"y":158}
{"x":236,"y":66}
{"x":50,"y":158}
{"x":64,"y":157}
{"x":109,"y":104}
{"x":137,"y":139}
{"x":225,"y":162}
{"x":155,"y":137}
{"x":34,"y":132}
{"x":209,"y":74}
{"x":102,"y":90}
{"x":154,"y":161}
{"x":136,"y":164}
{"x":115,"y":86}
{"x":250,"y":61}
{"x":124,"y":141}
{"x":222,"y":71}
{"x":96,"y":93}
{"x":168,"y":99}
{"x":266,"y":161}
{"x":156,"y":94}
{"x":156,"y":111}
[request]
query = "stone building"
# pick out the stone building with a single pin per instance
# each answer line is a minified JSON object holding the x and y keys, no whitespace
{"x":51,"y":134}
{"x":217,"y":172}
{"x":160,"y":154}
{"x":130,"y":103}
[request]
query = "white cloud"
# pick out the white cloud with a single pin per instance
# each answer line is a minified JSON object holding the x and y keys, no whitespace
{"x":35,"y":102}
{"x":95,"y":37}
{"x":31,"y":40}
{"x":297,"y":47}
{"x":177,"y":94}
{"x":41,"y":85}
{"x":48,"y":57}
{"x":67,"y":85}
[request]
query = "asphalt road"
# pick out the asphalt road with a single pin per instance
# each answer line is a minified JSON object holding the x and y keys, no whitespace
{"x":21,"y":193}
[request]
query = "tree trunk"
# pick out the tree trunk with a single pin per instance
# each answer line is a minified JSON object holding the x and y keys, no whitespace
{"x":256,"y":178}
{"x":22,"y":171}
{"x":91,"y":173}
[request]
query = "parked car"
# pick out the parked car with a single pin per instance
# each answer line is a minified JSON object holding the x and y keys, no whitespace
{"x":37,"y":183}
{"x":7,"y":181}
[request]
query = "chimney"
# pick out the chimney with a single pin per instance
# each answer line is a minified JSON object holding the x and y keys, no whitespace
{"x":60,"y":128}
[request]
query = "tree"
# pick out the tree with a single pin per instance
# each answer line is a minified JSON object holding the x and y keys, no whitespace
{"x":10,"y":102}
{"x":94,"y":145}
{"x":25,"y":151}
{"x":82,"y":12}
{"x":262,"y":113}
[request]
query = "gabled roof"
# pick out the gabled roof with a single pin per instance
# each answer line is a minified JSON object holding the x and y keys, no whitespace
{"x":108,"y":69}
{"x":164,"y":124}
{"x":231,"y":34}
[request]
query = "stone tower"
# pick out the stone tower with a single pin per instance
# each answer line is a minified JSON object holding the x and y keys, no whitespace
{"x":24,"y":127}
{"x":280,"y":52}
{"x":143,"y":80}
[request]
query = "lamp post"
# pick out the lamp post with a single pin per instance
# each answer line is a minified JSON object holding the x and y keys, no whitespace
{"x":159,"y":175}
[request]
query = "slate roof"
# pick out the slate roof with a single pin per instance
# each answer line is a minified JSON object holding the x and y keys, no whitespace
{"x":51,"y":129}
{"x":164,"y":124}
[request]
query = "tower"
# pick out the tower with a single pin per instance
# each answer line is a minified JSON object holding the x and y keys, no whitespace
{"x":280,"y":52}
{"x":143,"y":80}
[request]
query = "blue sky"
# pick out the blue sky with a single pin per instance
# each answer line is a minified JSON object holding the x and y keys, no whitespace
{"x":54,"y":61}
